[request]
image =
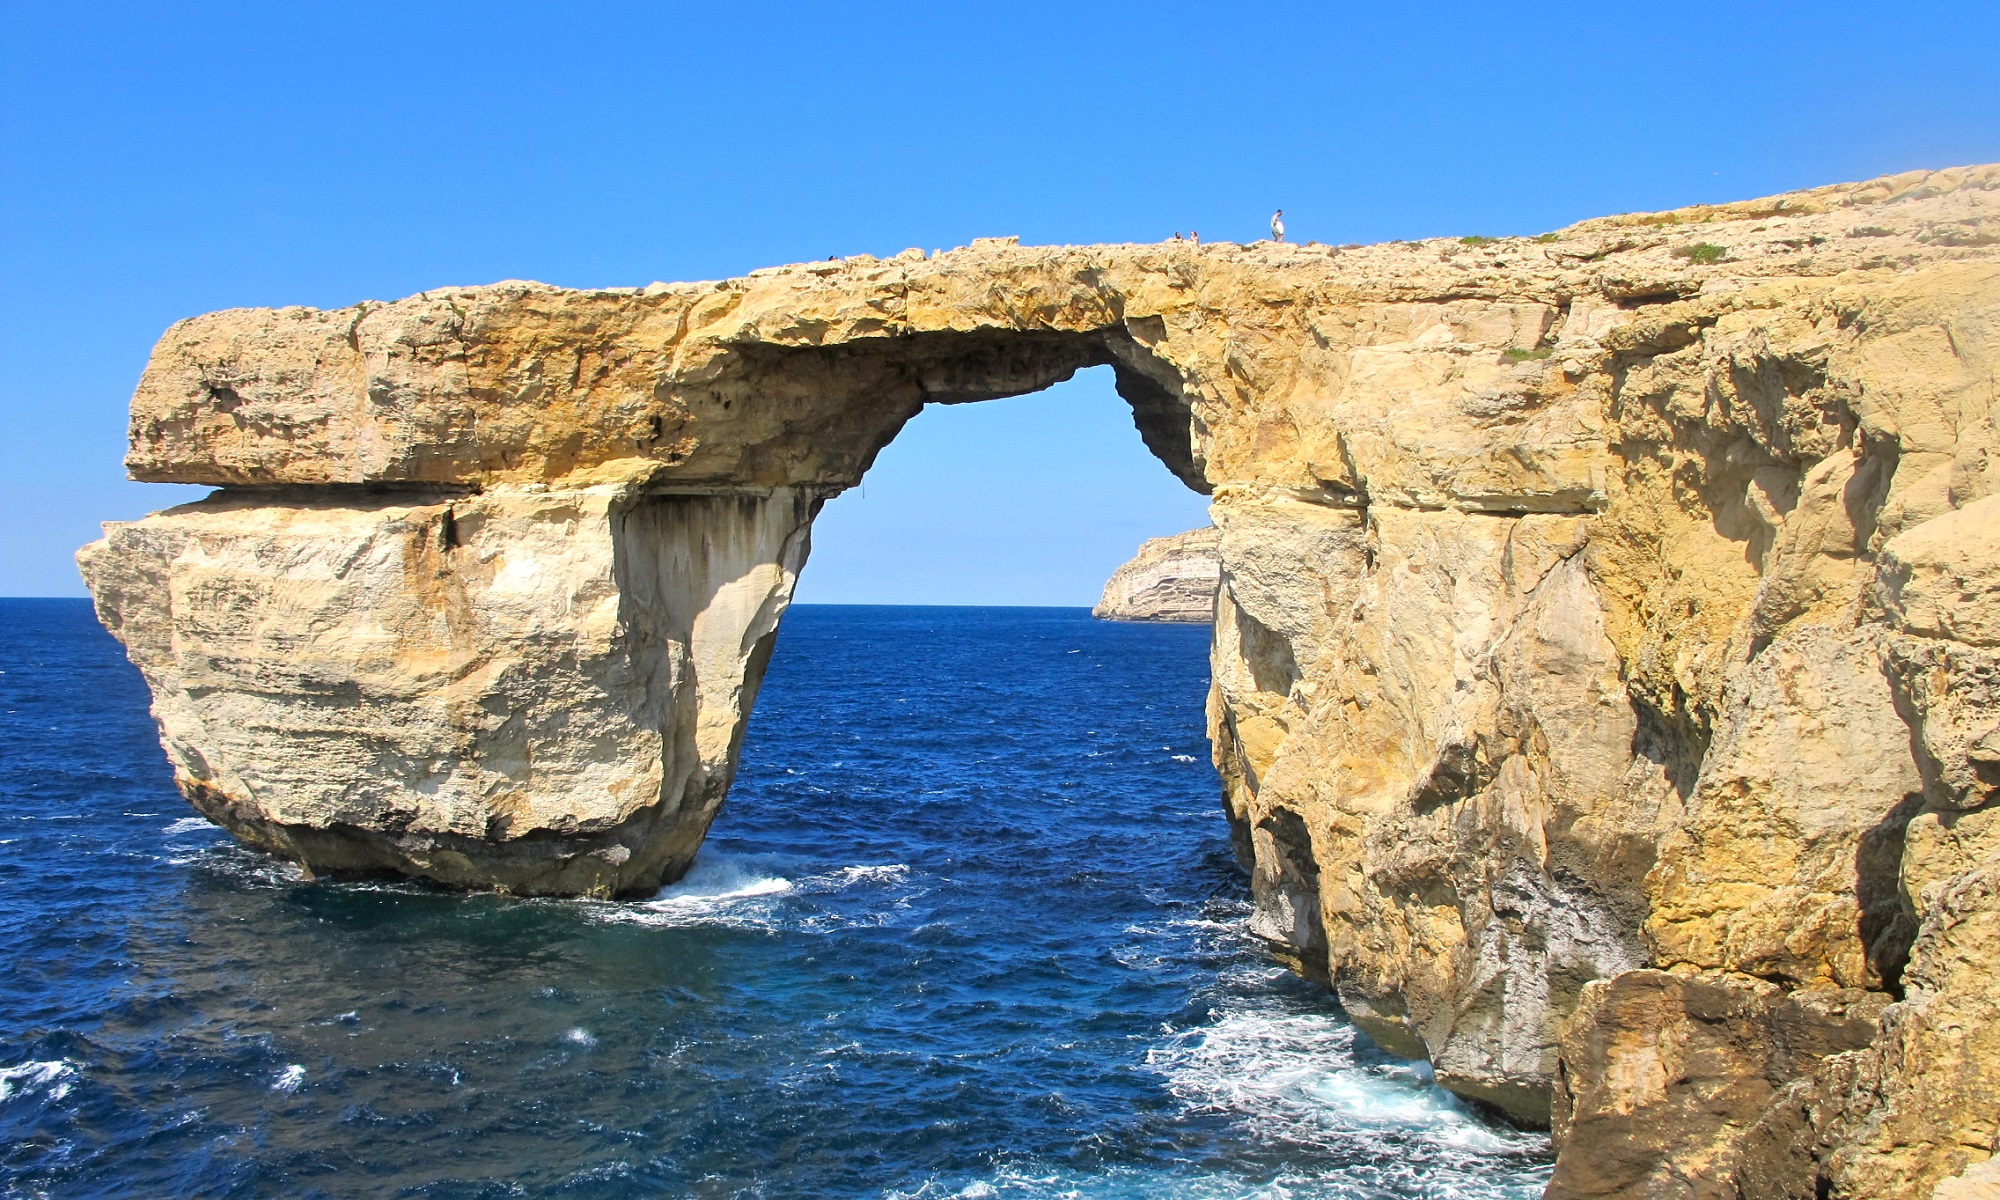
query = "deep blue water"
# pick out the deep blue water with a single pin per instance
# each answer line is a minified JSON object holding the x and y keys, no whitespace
{"x":969,"y":927}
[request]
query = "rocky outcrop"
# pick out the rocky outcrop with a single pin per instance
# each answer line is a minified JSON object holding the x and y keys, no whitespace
{"x":1171,"y":579}
{"x":1605,"y":679}
{"x":419,"y":683}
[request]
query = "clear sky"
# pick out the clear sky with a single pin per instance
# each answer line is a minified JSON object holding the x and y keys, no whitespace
{"x":162,"y":160}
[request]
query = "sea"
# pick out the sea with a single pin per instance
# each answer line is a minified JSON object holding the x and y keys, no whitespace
{"x":968,"y":927}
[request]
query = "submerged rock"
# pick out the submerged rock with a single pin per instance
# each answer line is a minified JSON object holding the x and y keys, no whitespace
{"x":1171,"y":579}
{"x":1596,"y":610}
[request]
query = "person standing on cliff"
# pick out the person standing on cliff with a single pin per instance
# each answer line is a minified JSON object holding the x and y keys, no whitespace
{"x":1278,"y":226}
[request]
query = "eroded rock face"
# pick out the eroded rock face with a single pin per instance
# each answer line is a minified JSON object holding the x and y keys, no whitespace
{"x":1618,"y":601}
{"x":1676,"y":1084}
{"x":1171,"y":579}
{"x":532,"y":690}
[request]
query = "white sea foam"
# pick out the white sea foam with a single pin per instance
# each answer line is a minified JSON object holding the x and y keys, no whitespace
{"x":289,"y":1079}
{"x":602,"y":1173}
{"x":1034,"y":1181}
{"x":52,"y":1078}
{"x":739,"y":891}
{"x":724,"y":877}
{"x":243,"y":866}
{"x":1298,"y":1083}
{"x":189,"y":825}
{"x":580,"y":1036}
{"x":1298,"y":1074}
{"x":720,"y":889}
{"x":853,"y":875}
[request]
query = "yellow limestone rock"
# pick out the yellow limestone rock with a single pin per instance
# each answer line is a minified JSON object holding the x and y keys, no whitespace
{"x":1668,"y":1078}
{"x":1171,"y":579}
{"x":419,"y":683}
{"x":1611,"y":601}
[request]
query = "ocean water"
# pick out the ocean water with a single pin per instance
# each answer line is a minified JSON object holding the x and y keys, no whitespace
{"x":968,"y":928}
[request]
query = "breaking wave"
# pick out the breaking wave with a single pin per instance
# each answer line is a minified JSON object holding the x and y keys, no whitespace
{"x":744,"y":891}
{"x":49,"y":1080}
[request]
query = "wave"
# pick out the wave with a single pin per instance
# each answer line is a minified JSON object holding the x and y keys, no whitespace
{"x":1035,"y":1181}
{"x":724,"y":877}
{"x":243,"y":866}
{"x":53,"y":1078}
{"x":852,"y":875}
{"x":1308,"y":1079}
{"x":1301,"y":1068}
{"x":743,"y":891}
{"x":1310,"y":1106}
{"x":190,"y":825}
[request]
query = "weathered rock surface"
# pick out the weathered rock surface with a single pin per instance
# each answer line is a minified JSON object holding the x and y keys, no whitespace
{"x":1606,"y":657}
{"x":1171,"y":579}
{"x":422,"y":684}
{"x":1672,"y":1082}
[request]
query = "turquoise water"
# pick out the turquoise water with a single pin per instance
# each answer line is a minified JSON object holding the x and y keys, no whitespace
{"x":968,"y":928}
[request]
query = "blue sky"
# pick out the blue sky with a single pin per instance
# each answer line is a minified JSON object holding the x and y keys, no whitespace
{"x":162,"y":160}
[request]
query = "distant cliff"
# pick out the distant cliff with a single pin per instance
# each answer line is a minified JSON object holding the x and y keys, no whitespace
{"x":1170,"y":579}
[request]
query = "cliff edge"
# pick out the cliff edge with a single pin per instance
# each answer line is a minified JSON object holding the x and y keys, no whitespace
{"x":1171,"y":579}
{"x":1606,"y":652}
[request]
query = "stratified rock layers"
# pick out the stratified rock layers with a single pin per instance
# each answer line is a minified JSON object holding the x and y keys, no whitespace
{"x":1171,"y":579}
{"x":530,"y":690}
{"x":1606,"y":658}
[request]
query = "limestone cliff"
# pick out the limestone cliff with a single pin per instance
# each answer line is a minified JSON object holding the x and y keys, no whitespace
{"x":1171,"y":579}
{"x":1606,"y":657}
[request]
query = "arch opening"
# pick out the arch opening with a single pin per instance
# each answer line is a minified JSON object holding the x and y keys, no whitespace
{"x":855,"y":396}
{"x":1043,"y":425}
{"x":1034,"y":499}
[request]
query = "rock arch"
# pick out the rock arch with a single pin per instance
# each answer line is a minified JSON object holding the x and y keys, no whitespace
{"x":541,"y":540}
{"x":1541,"y":559}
